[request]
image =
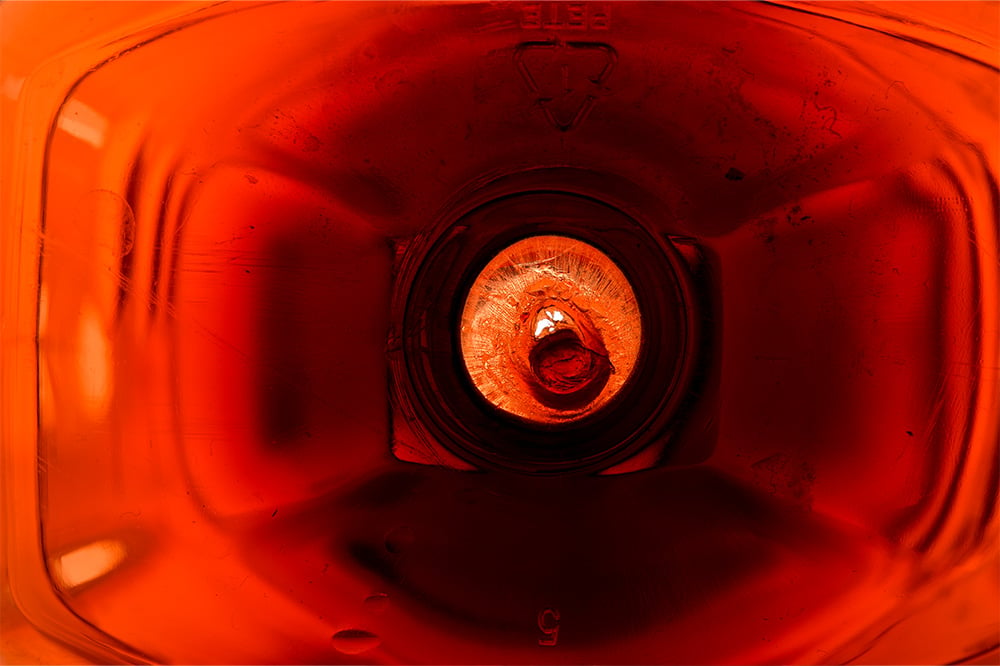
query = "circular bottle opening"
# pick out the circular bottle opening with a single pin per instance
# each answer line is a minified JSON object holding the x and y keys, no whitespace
{"x":541,"y":332}
{"x":551,"y":330}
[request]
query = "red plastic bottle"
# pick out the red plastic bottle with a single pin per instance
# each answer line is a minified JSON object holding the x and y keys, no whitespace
{"x":239,"y":421}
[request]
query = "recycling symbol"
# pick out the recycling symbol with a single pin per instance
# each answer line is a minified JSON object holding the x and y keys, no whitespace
{"x":567,"y":78}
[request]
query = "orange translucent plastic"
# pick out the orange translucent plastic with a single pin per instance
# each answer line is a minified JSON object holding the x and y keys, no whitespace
{"x":205,"y":209}
{"x":550,"y":330}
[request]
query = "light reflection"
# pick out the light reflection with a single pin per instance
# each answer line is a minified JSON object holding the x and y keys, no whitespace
{"x":83,"y":122}
{"x":547,"y":321}
{"x":88,"y":563}
{"x":94,"y":363}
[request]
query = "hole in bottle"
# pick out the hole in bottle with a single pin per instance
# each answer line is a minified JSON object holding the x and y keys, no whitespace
{"x":551,"y":329}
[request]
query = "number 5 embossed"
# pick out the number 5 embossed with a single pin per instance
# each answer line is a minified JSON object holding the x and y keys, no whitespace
{"x":548,"y":623}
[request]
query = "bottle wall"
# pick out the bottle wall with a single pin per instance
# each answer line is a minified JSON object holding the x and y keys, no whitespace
{"x":251,"y":416}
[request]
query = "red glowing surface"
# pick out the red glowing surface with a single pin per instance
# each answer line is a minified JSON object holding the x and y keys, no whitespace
{"x":550,"y":329}
{"x":205,"y":211}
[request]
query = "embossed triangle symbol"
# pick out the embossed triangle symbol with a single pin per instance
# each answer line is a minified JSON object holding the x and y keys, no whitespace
{"x":566,"y":78}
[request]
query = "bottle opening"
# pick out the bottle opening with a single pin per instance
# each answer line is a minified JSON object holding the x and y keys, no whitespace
{"x":550,"y":330}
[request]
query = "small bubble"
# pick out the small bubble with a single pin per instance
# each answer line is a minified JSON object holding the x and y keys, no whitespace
{"x":108,"y":210}
{"x":399,"y":539}
{"x":377,"y":603}
{"x":355,"y":641}
{"x":468,"y":495}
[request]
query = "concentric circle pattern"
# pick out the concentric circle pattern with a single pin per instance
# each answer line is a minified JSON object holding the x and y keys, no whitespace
{"x":551,"y":330}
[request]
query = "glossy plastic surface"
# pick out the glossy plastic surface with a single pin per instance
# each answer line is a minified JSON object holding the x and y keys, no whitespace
{"x":550,"y":329}
{"x":212,"y":219}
